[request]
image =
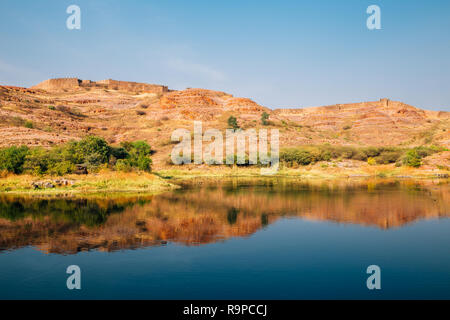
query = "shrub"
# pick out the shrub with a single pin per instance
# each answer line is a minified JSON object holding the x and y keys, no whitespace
{"x":371,"y":161}
{"x":37,"y":161}
{"x":138,"y":154}
{"x":143,"y":163}
{"x":360,"y":155}
{"x":61,"y":168}
{"x":119,"y":152}
{"x":264,"y":118}
{"x":90,"y":150}
{"x":372,"y":152}
{"x":424,"y":152}
{"x":123,"y":165}
{"x":389,"y":156}
{"x":13,"y":158}
{"x":296,"y":156}
{"x":348,"y":152}
{"x":373,"y":155}
{"x":28,"y":124}
{"x":412,"y":159}
{"x":232,"y":123}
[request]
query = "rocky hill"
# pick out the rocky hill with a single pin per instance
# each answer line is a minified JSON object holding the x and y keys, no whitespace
{"x":58,"y":110}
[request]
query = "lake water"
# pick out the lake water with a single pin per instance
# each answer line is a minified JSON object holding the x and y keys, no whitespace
{"x":233,"y":239}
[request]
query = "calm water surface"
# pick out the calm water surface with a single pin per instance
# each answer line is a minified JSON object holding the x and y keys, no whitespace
{"x":234,"y":239}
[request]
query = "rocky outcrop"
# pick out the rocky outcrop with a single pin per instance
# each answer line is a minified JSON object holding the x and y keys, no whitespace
{"x":52,"y":183}
{"x":201,"y":104}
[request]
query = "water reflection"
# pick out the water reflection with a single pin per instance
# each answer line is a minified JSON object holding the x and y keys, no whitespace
{"x":205,"y":212}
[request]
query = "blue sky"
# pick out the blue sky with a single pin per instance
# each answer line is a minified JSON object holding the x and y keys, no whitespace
{"x":279,"y":53}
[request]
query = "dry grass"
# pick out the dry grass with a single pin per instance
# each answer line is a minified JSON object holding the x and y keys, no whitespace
{"x":105,"y":181}
{"x":332,"y":170}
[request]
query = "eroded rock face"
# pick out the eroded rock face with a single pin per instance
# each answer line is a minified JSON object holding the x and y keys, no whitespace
{"x":206,"y":105}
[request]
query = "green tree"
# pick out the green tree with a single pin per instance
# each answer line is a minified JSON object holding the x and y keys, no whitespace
{"x":265,"y":118}
{"x":232,"y":123}
{"x":412,"y":159}
{"x":138,"y":156}
{"x":37,"y":161}
{"x":13,"y":158}
{"x":90,"y":150}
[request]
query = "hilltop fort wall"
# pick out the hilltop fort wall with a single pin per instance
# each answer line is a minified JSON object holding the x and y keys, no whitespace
{"x":74,"y":83}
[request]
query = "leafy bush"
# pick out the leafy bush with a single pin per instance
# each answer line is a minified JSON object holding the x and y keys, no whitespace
{"x":232,"y":123}
{"x":123,"y":165}
{"x":296,"y":156}
{"x":387,"y":156}
{"x":37,"y":161}
{"x":28,"y":124}
{"x":119,"y":152}
{"x":381,"y":155}
{"x":12,"y":159}
{"x":264,"y":118}
{"x":91,"y":151}
{"x":138,"y":155}
{"x":412,"y":159}
{"x":371,"y":161}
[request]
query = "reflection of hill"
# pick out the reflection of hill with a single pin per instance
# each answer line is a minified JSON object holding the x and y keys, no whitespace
{"x":211,"y":213}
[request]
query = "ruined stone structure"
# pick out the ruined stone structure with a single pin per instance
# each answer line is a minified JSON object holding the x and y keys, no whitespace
{"x":385,"y":102}
{"x":75,"y":83}
{"x":132,"y":86}
{"x":58,"y":84}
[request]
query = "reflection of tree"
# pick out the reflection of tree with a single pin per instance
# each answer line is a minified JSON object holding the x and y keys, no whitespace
{"x":232,"y":215}
{"x":79,"y":211}
{"x":264,"y":220}
{"x":210,"y":213}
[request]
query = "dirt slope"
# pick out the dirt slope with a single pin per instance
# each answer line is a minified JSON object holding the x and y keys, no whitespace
{"x":56,"y":111}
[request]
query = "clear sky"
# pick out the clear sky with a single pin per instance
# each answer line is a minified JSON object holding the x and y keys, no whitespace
{"x":279,"y":53}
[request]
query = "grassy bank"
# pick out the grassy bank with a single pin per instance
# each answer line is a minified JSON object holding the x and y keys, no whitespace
{"x":110,"y":182}
{"x":105,"y":181}
{"x":317,"y":171}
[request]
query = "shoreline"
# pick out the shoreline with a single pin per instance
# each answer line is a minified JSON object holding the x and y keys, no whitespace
{"x":116,"y":184}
